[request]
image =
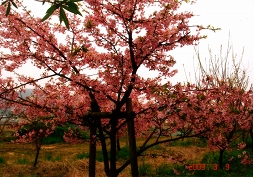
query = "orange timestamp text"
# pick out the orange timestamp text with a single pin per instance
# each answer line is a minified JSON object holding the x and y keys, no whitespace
{"x":196,"y":167}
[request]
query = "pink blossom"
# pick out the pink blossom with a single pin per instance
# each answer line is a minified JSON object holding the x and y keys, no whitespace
{"x":241,"y":145}
{"x":176,"y":172}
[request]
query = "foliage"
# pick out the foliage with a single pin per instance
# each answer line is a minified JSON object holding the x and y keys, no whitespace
{"x":56,"y":136}
{"x":59,"y":133}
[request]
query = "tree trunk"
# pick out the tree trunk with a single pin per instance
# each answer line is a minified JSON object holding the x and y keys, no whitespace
{"x":221,"y":158}
{"x":132,"y":140}
{"x":38,"y":148}
{"x":113,"y":122}
{"x":104,"y":149}
{"x":92,"y":151}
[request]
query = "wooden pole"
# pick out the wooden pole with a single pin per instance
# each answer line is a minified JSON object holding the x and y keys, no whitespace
{"x":127,"y":141}
{"x":92,"y":151}
{"x":132,"y":139}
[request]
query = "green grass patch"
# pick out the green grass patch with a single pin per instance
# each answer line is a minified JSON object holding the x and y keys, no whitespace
{"x":49,"y":157}
{"x":182,"y":142}
{"x":158,"y":147}
{"x":21,"y":175}
{"x":124,"y":154}
{"x":99,"y":156}
{"x":2,"y":160}
{"x":58,"y":158}
{"x":82,"y":155}
{"x":145,"y":169}
{"x":199,"y":142}
{"x":23,"y":161}
{"x":164,"y":170}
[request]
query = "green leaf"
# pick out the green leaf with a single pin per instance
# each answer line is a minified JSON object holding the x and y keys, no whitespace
{"x":50,"y":12}
{"x":52,"y":8}
{"x":60,"y":15}
{"x":63,"y":17}
{"x":4,"y":2}
{"x":84,"y":49}
{"x":45,"y":17}
{"x":8,"y":9}
{"x":72,"y":7}
{"x":75,"y":0}
{"x":13,"y":3}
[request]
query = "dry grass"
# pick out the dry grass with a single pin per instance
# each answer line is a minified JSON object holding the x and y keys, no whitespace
{"x":60,"y":159}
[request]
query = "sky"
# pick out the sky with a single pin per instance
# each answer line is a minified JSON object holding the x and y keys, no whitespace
{"x":232,"y":16}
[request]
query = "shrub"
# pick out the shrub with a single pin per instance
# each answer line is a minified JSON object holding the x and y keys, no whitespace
{"x":56,"y":137}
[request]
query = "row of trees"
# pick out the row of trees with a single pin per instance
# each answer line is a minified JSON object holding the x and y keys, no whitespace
{"x":115,"y":39}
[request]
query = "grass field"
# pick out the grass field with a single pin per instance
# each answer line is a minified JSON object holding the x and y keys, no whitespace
{"x":71,"y":160}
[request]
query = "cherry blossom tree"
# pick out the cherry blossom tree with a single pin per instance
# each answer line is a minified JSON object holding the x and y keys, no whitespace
{"x":33,"y":130}
{"x":114,"y":40}
{"x":230,"y":97}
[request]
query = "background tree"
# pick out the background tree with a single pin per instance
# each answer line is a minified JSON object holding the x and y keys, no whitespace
{"x":228,"y":82}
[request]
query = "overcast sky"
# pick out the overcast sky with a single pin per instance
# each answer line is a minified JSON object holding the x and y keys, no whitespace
{"x":232,"y":16}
